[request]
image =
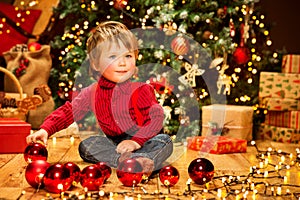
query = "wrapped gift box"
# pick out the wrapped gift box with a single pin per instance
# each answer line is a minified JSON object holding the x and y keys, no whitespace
{"x":279,"y":85}
{"x":291,"y":63}
{"x":13,"y":133}
{"x":217,"y":144}
{"x":236,"y":120}
{"x":288,"y":119}
{"x":279,"y":134}
{"x":279,"y":104}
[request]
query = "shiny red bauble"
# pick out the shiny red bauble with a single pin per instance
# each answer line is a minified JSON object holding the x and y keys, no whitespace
{"x":57,"y":178}
{"x":74,"y":171}
{"x":180,"y":45}
{"x":120,"y":4}
{"x":201,"y":170}
{"x":169,"y":175}
{"x":35,"y":151}
{"x":105,"y":170}
{"x":35,"y":172}
{"x":241,"y":55}
{"x":130,"y":172}
{"x":34,"y":46}
{"x":91,"y":178}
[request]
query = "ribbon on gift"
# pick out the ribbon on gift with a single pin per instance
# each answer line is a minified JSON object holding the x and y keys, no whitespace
{"x":226,"y":129}
{"x":215,"y":130}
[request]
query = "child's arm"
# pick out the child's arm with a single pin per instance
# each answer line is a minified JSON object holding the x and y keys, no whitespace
{"x":152,"y":114}
{"x":41,"y":135}
{"x":65,"y":115}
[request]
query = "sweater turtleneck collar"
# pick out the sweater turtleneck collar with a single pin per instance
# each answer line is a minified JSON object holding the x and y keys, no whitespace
{"x":104,"y":83}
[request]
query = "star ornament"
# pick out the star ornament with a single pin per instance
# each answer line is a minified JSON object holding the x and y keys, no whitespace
{"x":190,"y":75}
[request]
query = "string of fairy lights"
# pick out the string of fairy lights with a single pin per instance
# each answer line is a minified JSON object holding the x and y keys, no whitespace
{"x":78,"y":32}
{"x":275,"y":174}
{"x":127,"y":9}
{"x":21,"y":11}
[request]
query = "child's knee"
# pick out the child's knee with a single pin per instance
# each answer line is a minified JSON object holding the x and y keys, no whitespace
{"x":82,"y":150}
{"x":165,"y":138}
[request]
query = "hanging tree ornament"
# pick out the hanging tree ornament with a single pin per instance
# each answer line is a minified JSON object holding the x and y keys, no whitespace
{"x":170,"y":28}
{"x":223,"y":79}
{"x":222,"y":12}
{"x":206,"y":35}
{"x":167,"y":113}
{"x":180,"y":45}
{"x":162,"y":88}
{"x":161,"y":85}
{"x":184,"y":120}
{"x":120,"y":4}
{"x":190,"y":75}
{"x":231,"y":28}
{"x":241,"y":54}
{"x":249,"y":11}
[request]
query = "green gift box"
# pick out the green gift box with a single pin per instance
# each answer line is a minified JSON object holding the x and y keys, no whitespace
{"x":279,"y":134}
{"x":279,"y":85}
{"x":279,"y":104}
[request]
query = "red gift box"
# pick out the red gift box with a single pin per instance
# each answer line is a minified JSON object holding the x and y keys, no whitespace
{"x":13,"y":133}
{"x":288,"y":119}
{"x":217,"y":144}
{"x":291,"y":63}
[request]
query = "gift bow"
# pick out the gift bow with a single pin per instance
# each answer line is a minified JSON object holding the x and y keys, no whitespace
{"x":215,"y":130}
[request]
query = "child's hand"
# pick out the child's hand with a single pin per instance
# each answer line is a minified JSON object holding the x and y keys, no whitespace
{"x":127,"y":146}
{"x":41,"y":135}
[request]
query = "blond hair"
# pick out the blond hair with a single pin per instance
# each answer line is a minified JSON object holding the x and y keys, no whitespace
{"x":114,"y":32}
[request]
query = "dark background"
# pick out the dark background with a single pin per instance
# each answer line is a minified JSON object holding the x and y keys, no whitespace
{"x":284,"y":16}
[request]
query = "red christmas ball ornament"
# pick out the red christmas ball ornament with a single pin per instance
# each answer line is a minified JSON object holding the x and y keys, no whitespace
{"x":91,"y":178}
{"x":57,"y":178}
{"x":35,"y":172}
{"x":35,"y":151}
{"x":169,"y":175}
{"x":130,"y":172}
{"x":241,"y":55}
{"x":74,"y":171}
{"x":180,"y":45}
{"x":201,"y":170}
{"x":105,"y":170}
{"x":120,"y":4}
{"x":34,"y":46}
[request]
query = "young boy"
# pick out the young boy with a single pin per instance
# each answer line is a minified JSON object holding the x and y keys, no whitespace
{"x":127,"y":112}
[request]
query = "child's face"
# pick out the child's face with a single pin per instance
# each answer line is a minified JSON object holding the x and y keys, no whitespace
{"x":117,"y":63}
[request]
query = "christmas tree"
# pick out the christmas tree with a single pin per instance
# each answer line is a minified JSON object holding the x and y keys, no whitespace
{"x":194,"y":52}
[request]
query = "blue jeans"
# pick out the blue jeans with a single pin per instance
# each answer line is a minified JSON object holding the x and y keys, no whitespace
{"x":102,"y":149}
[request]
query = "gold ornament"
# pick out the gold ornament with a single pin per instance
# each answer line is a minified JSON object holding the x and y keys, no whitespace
{"x":190,"y":75}
{"x":180,"y":45}
{"x":170,"y":28}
